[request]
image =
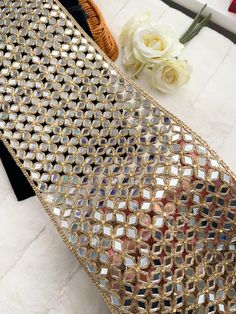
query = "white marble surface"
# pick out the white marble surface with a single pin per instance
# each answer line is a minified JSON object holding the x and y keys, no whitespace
{"x":38,"y":275}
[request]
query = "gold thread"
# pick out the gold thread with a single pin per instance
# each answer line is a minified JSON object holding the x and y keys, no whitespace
{"x":52,"y":218}
{"x":177,"y":120}
{"x":153,"y":101}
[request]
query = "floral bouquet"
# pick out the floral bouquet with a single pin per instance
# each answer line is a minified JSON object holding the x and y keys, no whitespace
{"x":158,"y":48}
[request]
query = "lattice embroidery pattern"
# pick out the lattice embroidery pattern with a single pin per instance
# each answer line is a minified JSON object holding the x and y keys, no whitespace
{"x":147,"y":208}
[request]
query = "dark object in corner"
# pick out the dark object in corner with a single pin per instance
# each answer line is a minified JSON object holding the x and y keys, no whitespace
{"x":232,"y":7}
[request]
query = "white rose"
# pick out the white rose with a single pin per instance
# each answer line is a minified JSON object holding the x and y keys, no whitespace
{"x":130,"y":62}
{"x":132,"y":24}
{"x":170,"y":75}
{"x":154,"y":44}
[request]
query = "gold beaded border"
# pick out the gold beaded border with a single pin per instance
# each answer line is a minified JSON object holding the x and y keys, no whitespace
{"x":146,"y":95}
{"x":154,"y":102}
{"x":58,"y":228}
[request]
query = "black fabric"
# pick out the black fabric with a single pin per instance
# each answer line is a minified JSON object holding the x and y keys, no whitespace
{"x":20,"y":185}
{"x":75,"y":9}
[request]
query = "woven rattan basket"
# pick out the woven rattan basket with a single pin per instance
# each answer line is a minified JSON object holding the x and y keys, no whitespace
{"x":100,"y":30}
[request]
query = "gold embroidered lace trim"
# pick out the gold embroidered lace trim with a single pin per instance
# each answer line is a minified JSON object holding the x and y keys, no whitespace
{"x":141,"y":200}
